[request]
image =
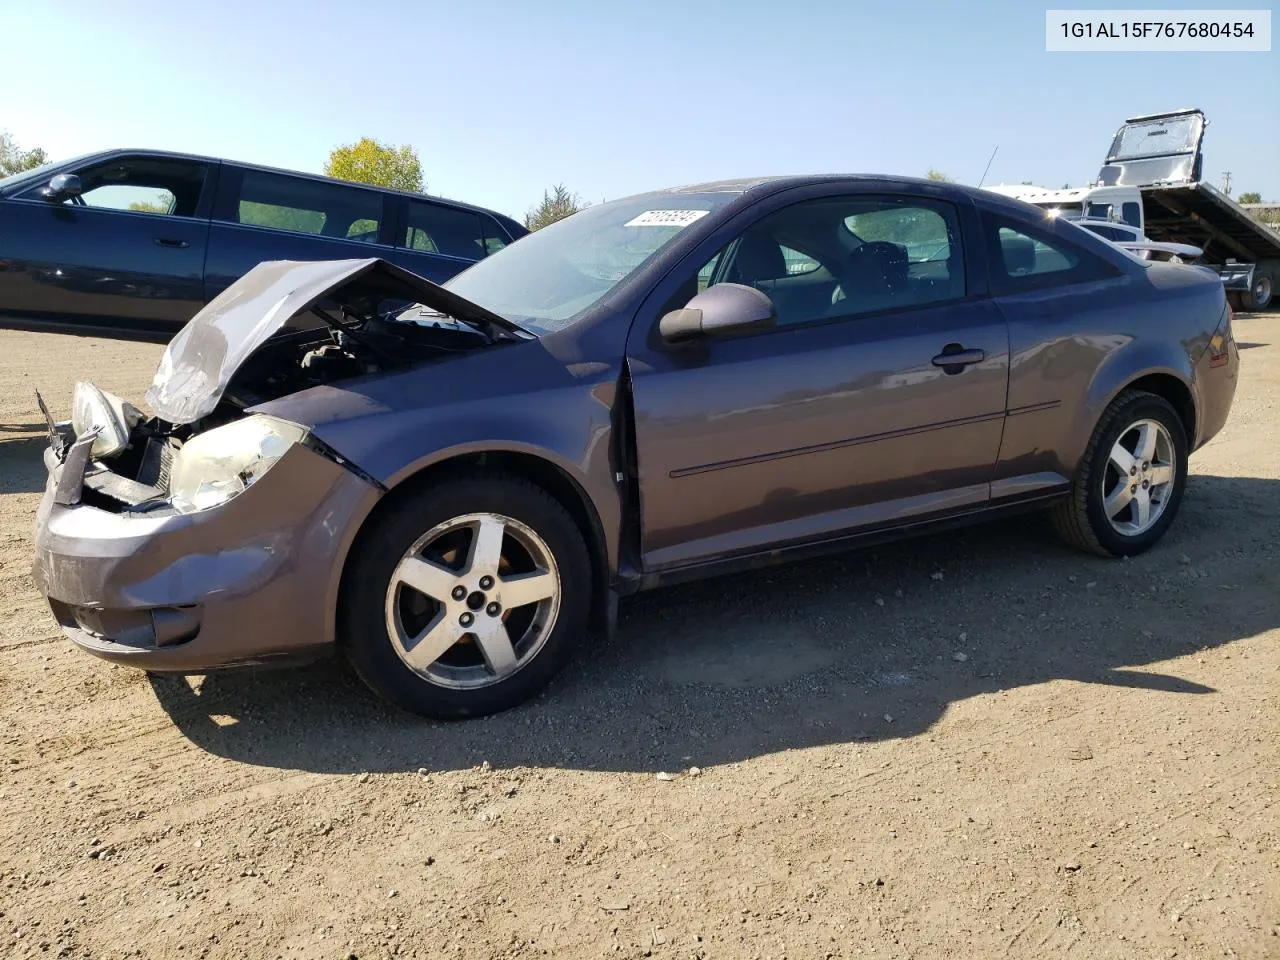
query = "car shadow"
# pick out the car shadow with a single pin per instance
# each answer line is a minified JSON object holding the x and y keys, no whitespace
{"x":22,"y":461}
{"x":863,"y":645}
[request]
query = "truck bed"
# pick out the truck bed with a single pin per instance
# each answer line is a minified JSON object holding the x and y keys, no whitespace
{"x":1198,"y":213}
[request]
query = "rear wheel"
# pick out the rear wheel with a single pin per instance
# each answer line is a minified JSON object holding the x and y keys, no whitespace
{"x":1131,"y":479}
{"x":468,"y":599}
{"x":1258,"y":296}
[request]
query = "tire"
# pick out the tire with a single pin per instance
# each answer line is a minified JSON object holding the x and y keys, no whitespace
{"x":1257,"y":297}
{"x":1082,"y":519}
{"x":381,"y":614}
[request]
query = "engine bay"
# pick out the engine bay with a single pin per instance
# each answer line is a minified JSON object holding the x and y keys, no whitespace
{"x":330,"y":350}
{"x":298,"y":359}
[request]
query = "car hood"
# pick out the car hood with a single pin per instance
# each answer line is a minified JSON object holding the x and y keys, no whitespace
{"x":200,"y":361}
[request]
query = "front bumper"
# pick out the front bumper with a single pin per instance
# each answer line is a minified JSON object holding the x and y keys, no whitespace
{"x":251,"y":581}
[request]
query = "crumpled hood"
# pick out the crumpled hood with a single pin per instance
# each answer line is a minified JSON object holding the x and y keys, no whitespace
{"x":200,"y":361}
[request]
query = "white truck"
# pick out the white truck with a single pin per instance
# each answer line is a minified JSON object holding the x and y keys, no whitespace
{"x":1151,"y":181}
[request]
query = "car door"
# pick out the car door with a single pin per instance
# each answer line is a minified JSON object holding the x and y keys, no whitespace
{"x":264,"y":215}
{"x":877,"y":399}
{"x":437,"y":241}
{"x":124,"y":252}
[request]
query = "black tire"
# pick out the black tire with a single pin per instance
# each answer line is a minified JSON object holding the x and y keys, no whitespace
{"x":1080,"y":519}
{"x":363,"y":632}
{"x":1258,"y":297}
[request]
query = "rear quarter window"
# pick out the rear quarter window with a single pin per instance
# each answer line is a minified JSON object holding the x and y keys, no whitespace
{"x":1024,"y":258}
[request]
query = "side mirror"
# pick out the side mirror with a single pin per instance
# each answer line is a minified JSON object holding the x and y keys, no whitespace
{"x":722,"y":310}
{"x":62,"y":186}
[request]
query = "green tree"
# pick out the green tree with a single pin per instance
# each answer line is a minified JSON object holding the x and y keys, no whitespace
{"x":150,"y":206}
{"x":936,"y":174}
{"x":556,"y":204}
{"x":377,"y":164}
{"x":1250,"y":197}
{"x":13,"y":159}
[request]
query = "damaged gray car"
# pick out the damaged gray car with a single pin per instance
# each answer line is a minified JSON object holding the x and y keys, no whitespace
{"x":453,"y":485}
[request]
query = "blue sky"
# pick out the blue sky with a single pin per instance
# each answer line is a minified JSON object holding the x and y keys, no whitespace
{"x":502,"y":99}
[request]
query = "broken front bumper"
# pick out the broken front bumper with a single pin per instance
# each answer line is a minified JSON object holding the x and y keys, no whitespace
{"x":250,"y":581}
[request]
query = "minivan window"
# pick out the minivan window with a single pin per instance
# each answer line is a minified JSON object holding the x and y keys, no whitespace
{"x":494,"y":236}
{"x":432,"y":228}
{"x":159,"y":185}
{"x":299,"y":205}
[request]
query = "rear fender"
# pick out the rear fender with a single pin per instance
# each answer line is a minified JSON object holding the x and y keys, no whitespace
{"x":1141,"y":358}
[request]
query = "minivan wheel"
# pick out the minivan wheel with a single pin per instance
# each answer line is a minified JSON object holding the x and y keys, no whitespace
{"x":1131,"y":479}
{"x":466,"y":599}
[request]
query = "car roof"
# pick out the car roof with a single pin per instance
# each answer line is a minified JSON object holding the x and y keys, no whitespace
{"x":775,"y":183}
{"x":174,"y":155}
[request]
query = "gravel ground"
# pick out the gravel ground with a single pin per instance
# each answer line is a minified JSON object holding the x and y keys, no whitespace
{"x":976,"y":744}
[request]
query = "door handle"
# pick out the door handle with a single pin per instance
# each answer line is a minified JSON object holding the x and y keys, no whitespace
{"x":954,"y":358}
{"x":170,"y":242}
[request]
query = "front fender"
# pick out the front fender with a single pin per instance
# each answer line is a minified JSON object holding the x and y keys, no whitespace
{"x":393,"y":427}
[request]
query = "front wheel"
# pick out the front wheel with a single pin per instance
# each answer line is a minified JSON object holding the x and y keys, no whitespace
{"x":1131,"y":479}
{"x":467,"y":598}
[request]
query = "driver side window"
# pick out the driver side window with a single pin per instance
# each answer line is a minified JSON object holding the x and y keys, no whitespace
{"x":158,"y":185}
{"x":847,"y":257}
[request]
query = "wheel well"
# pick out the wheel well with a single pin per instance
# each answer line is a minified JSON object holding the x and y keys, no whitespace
{"x":536,"y":470}
{"x":1177,"y":393}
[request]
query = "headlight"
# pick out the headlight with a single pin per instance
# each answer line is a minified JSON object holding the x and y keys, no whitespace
{"x":213,"y":467}
{"x":91,"y":407}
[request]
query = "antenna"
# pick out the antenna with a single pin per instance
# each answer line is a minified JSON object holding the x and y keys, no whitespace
{"x":988,"y":166}
{"x":1226,"y":183}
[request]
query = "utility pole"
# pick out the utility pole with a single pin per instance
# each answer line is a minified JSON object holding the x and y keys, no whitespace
{"x":1226,"y":183}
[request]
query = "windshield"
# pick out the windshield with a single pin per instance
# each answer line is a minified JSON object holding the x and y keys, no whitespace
{"x":548,"y":279}
{"x":1157,"y":138}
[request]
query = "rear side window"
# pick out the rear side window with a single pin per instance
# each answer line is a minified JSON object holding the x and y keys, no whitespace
{"x":1024,"y":258}
{"x":306,"y":206}
{"x":495,"y":238}
{"x":432,"y":228}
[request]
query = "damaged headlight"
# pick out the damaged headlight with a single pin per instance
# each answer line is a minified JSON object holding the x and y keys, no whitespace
{"x":213,"y":467}
{"x":114,"y":418}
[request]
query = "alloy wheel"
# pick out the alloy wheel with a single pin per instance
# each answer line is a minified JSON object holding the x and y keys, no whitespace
{"x":473,"y":601}
{"x":1138,"y":483}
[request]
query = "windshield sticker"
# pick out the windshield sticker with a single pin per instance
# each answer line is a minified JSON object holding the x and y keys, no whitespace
{"x":666,"y":218}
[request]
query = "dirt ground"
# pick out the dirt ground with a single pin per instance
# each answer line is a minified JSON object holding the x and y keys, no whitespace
{"x":979,"y":744}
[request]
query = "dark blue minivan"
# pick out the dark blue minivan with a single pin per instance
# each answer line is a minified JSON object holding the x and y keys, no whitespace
{"x":131,"y":243}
